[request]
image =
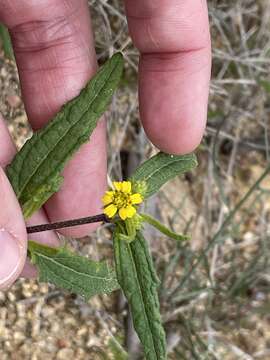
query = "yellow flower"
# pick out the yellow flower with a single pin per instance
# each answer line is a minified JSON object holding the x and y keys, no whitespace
{"x":121,"y":200}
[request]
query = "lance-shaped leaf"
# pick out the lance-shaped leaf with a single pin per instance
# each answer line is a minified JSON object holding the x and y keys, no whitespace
{"x":137,"y":277}
{"x":35,"y":170}
{"x":72,"y":272}
{"x":161,"y":168}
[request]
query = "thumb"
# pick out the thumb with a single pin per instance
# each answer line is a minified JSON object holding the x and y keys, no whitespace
{"x":13,"y":237}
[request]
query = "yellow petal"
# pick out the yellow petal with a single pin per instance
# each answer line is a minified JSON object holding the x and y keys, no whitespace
{"x":136,"y":198}
{"x":110,"y":210}
{"x":123,"y":213}
{"x":130,"y":211}
{"x":126,"y":187}
{"x":117,"y":185}
{"x":107,"y":198}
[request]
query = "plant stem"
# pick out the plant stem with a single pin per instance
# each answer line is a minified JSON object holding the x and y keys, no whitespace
{"x":67,"y":223}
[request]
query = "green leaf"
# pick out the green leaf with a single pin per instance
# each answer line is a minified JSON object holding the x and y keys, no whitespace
{"x":35,"y":170}
{"x":161,"y":168}
{"x":6,"y":42}
{"x":72,"y":272}
{"x":137,"y":277}
{"x":163,"y":229}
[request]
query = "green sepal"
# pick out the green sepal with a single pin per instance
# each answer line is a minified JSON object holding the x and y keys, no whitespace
{"x":128,"y":228}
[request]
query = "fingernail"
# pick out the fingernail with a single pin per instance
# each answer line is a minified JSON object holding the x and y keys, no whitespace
{"x":10,"y":256}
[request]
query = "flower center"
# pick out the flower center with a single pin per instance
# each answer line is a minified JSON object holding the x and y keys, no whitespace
{"x":121,"y":199}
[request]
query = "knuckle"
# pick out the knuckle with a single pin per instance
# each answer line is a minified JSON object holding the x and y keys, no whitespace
{"x":38,"y":25}
{"x":38,"y":35}
{"x":175,"y":27}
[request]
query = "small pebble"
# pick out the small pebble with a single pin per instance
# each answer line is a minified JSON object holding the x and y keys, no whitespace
{"x":65,"y":354}
{"x":13,"y":100}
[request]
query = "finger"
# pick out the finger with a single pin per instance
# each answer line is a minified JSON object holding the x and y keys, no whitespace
{"x":8,"y":149}
{"x":13,"y":238}
{"x":7,"y":153}
{"x":55,"y":55}
{"x":174,"y":72}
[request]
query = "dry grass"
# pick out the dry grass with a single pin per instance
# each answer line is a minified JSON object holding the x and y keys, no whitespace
{"x":219,"y":308}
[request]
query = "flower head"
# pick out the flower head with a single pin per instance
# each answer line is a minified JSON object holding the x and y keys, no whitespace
{"x":121,"y":200}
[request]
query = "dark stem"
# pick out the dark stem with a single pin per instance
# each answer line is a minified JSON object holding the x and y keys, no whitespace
{"x":68,"y":223}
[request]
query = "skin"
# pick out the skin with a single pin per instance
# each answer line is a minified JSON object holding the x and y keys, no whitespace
{"x":55,"y":54}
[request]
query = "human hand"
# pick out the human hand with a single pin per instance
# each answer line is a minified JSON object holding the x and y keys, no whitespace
{"x":54,"y":50}
{"x":13,"y":237}
{"x":12,"y":234}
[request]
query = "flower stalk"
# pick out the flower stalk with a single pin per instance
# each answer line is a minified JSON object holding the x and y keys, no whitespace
{"x":67,"y":223}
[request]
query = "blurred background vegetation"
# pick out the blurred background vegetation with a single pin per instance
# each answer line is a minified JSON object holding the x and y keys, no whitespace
{"x":215,"y":298}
